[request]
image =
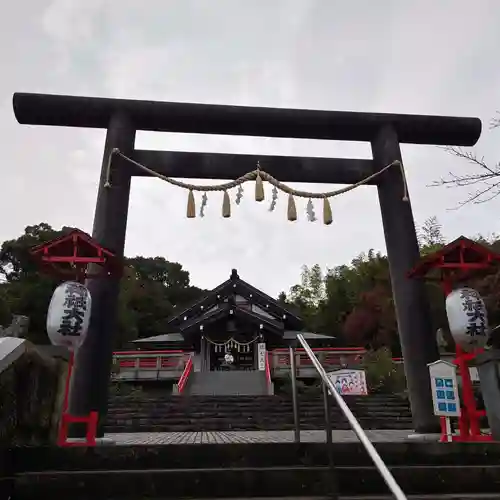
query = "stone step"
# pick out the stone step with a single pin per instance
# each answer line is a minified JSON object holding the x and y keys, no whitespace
{"x":195,"y":413}
{"x":246,"y":481}
{"x":129,"y":412}
{"x":124,"y":457}
{"x":470,"y":496}
{"x":279,"y":470}
{"x":231,"y":426}
{"x":181,"y":401}
{"x":264,"y":423}
{"x":228,"y":407}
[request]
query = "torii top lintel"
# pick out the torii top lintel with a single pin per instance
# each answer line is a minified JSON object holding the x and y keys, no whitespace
{"x":95,"y":112}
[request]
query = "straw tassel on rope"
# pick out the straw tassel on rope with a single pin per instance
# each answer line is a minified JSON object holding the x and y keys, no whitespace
{"x":292,"y":209}
{"x":259,"y":187}
{"x":191,"y":208}
{"x":226,"y":205}
{"x":327,"y":212}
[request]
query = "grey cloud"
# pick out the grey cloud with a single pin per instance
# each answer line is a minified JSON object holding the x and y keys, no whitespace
{"x":420,"y":57}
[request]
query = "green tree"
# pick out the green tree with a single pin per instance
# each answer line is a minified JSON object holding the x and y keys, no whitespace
{"x":430,"y":236}
{"x":149,"y":290}
{"x":25,"y":290}
{"x":308,"y":296}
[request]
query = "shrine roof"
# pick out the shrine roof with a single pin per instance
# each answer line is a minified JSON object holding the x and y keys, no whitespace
{"x":177,"y":337}
{"x":65,"y":242}
{"x":461,"y":254}
{"x":235,"y":285}
{"x":291,"y":335}
{"x":166,"y":337}
{"x":72,"y":252}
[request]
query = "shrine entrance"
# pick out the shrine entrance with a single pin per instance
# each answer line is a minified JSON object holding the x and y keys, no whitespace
{"x":233,"y":355}
{"x":122,"y":118}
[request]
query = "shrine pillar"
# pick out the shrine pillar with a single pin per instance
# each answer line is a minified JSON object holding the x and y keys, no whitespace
{"x":90,"y":380}
{"x":418,"y":342}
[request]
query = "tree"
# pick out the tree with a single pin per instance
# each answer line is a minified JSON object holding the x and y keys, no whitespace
{"x":25,"y":290}
{"x":430,"y":236}
{"x":282,"y":298}
{"x":172,"y":278}
{"x":485,"y":179}
{"x":149,"y":289}
{"x":307,"y":296}
{"x":371,"y":321}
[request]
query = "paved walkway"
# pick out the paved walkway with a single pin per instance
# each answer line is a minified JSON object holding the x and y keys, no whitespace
{"x":147,"y":438}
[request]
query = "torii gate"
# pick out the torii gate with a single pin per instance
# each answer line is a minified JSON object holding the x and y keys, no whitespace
{"x":122,"y":118}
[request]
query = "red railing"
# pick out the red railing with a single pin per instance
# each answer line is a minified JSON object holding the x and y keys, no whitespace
{"x":170,"y":364}
{"x":268,"y":371}
{"x":151,"y":360}
{"x":185,"y":375}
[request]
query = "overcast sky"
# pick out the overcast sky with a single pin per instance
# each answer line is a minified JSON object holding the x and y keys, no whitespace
{"x":387,"y":56}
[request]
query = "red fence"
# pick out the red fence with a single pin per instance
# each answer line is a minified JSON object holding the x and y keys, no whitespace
{"x":170,"y":365}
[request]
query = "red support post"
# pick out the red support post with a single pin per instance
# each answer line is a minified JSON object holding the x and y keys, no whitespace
{"x":66,"y":418}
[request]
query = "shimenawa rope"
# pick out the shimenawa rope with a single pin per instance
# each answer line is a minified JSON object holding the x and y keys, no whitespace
{"x":259,"y":176}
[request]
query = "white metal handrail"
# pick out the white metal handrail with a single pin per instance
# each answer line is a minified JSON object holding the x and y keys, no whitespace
{"x":356,"y":427}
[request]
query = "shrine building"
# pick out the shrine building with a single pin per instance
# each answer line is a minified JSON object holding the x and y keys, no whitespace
{"x":235,"y":336}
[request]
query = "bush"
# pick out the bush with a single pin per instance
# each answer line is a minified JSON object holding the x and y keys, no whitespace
{"x":284,"y":386}
{"x":382,"y":374}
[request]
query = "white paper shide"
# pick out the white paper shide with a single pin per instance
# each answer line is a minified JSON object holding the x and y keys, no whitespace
{"x":68,"y":316}
{"x":467,"y":318}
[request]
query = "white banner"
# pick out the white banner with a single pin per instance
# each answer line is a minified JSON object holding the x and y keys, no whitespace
{"x":349,"y":382}
{"x":261,"y":356}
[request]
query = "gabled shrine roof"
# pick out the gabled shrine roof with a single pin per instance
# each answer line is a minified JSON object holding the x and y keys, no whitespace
{"x":72,"y":252}
{"x":461,"y":254}
{"x":167,"y":337}
{"x":177,"y":337}
{"x":64,"y":244}
{"x":291,"y":335}
{"x":236,"y":286}
{"x":226,"y":311}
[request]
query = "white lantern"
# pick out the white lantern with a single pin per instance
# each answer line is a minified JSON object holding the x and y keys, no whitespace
{"x":68,"y":316}
{"x":467,"y":318}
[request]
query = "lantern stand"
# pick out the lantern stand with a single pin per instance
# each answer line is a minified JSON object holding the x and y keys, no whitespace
{"x":70,"y":257}
{"x":454,"y":263}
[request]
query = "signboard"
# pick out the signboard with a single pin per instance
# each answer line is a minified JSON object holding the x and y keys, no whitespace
{"x":444,"y":388}
{"x":349,"y":382}
{"x":261,"y":356}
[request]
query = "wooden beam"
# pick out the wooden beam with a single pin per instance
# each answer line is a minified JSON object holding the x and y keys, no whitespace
{"x":96,"y":112}
{"x":231,"y":166}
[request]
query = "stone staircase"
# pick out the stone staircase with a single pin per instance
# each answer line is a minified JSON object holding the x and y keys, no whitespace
{"x":225,"y":413}
{"x":258,"y":470}
{"x":227,"y":383}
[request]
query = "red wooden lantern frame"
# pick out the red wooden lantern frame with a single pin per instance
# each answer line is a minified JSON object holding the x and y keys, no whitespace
{"x":70,"y":256}
{"x":454,"y":263}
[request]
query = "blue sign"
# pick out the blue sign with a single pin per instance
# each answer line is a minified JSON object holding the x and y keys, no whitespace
{"x":444,"y":394}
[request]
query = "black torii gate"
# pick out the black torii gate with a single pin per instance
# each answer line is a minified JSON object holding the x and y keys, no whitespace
{"x":122,"y":118}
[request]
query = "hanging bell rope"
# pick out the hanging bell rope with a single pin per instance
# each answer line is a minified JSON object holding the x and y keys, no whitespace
{"x":259,"y":176}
